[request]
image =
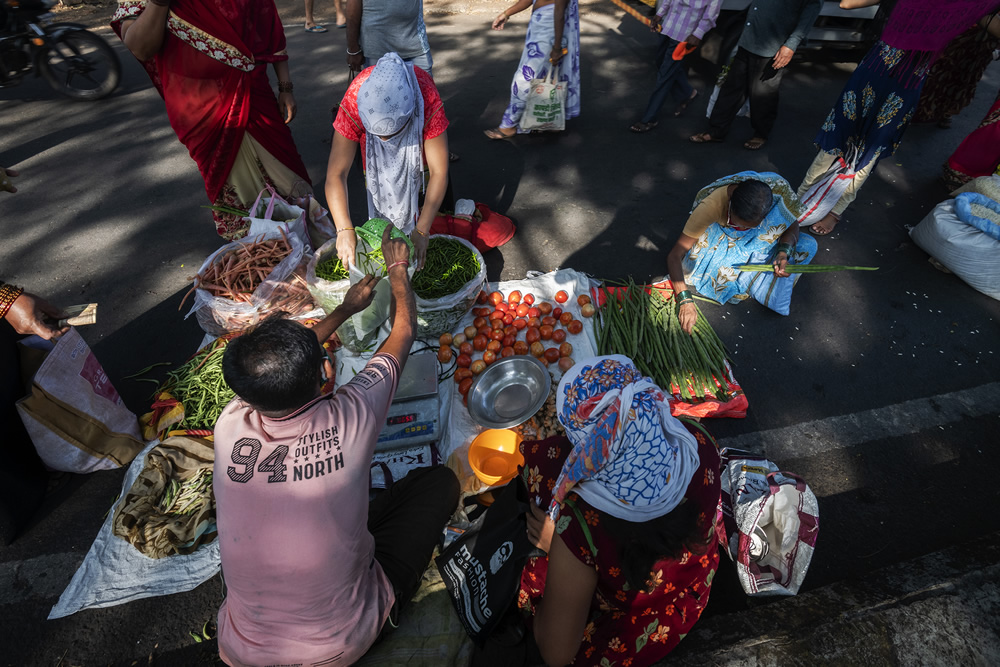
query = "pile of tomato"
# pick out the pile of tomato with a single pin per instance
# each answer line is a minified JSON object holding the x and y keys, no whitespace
{"x":515,"y":324}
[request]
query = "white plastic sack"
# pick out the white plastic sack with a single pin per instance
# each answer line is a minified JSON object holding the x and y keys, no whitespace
{"x":967,"y":252}
{"x":76,"y":419}
{"x":218,"y":315}
{"x":545,"y":108}
{"x":367,"y":322}
{"x":437,"y":316}
{"x":769,"y":523}
{"x":269,"y":213}
{"x":327,"y":294}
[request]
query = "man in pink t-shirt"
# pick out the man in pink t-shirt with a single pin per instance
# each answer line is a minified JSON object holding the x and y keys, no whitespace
{"x":313,"y":572}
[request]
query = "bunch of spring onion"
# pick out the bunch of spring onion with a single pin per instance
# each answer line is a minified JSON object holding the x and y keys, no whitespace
{"x":643,"y":326}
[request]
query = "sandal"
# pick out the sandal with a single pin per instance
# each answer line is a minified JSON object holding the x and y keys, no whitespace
{"x":755,"y":144}
{"x":497,"y":133}
{"x":682,"y":107}
{"x":704,"y":138}
{"x":315,"y":28}
{"x":641,"y":127}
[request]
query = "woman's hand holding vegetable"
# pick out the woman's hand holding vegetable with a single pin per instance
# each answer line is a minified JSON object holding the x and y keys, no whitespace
{"x":30,"y":314}
{"x":419,"y":240}
{"x":540,"y":528}
{"x":780,"y":262}
{"x":347,"y":242}
{"x":688,"y":316}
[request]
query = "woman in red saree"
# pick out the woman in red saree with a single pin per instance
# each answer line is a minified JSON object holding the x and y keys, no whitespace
{"x":208,"y":59}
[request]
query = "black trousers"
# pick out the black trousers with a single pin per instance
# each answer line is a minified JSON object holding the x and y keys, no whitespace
{"x":406,"y":521}
{"x":750,"y":76}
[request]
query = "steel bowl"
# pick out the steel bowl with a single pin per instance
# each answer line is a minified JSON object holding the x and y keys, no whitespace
{"x":509,"y":391}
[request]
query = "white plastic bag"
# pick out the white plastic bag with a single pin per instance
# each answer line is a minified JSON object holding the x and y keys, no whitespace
{"x":437,"y":316}
{"x":967,"y":252}
{"x":769,"y":523}
{"x":218,"y":315}
{"x":76,"y":419}
{"x":545,"y":108}
{"x":269,"y":213}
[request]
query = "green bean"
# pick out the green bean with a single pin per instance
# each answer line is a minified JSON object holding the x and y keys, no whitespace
{"x":448,"y":266}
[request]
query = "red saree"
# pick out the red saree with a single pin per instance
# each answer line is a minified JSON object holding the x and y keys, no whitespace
{"x":212,"y":74}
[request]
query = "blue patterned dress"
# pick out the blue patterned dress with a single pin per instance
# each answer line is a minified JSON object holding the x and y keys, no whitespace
{"x":535,"y":61}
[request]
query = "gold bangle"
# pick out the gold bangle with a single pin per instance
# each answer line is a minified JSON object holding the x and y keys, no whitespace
{"x":417,"y":230}
{"x":346,"y":229}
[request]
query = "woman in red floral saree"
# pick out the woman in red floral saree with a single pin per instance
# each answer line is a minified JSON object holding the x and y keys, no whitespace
{"x":208,"y":60}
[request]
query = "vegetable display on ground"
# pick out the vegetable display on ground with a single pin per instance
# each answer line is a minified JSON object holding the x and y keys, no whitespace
{"x":187,"y":497}
{"x":641,"y":323}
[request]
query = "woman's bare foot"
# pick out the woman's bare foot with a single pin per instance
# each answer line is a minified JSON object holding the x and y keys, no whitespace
{"x":826,"y":225}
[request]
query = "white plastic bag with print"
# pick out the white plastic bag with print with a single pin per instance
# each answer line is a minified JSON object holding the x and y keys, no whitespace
{"x":76,"y":419}
{"x":769,"y":523}
{"x":545,"y":108}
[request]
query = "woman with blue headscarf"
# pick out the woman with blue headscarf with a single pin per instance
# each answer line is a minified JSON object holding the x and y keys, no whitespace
{"x":394,"y":111}
{"x":625,"y":510}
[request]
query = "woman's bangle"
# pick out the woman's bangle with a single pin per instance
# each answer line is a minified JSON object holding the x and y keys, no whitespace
{"x":686,"y":294}
{"x":347,"y":229}
{"x":355,"y":53}
{"x":401,"y":262}
{"x":417,"y":230}
{"x":785,"y":248}
{"x":285,"y":87}
{"x":8,"y":295}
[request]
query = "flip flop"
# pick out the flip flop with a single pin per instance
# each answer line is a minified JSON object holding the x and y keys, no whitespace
{"x":682,"y":107}
{"x":315,"y":28}
{"x":701,"y":139}
{"x":496,"y":133}
{"x":755,"y":144}
{"x":341,"y":25}
{"x":640,"y":128}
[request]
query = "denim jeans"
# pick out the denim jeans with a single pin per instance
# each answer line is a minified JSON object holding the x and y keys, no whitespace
{"x":671,"y":79}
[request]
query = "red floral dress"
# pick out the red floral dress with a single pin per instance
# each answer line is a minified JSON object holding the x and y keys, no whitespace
{"x":626,"y":627}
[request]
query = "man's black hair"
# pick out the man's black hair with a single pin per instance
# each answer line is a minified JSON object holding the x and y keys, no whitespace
{"x":274,"y":367}
{"x":751,"y":201}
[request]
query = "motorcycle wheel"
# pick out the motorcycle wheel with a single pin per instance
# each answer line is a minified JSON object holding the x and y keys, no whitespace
{"x":81,"y":65}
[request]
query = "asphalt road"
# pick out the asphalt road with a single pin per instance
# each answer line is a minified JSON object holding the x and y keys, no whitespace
{"x":880,"y":388}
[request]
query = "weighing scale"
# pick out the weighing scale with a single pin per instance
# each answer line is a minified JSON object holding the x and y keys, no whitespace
{"x":414,"y":414}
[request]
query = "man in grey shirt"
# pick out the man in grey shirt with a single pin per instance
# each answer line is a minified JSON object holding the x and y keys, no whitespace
{"x":378,"y":27}
{"x":773,"y":30}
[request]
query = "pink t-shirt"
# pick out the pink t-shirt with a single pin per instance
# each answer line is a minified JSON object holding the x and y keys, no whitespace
{"x":292,"y":508}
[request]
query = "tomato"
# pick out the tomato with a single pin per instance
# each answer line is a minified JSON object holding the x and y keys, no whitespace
{"x":520,"y":347}
{"x":485,"y":331}
{"x":497,"y":315}
{"x":561,"y":297}
{"x":496,"y":334}
{"x":479,"y":322}
{"x":461,"y":374}
{"x":493,"y":345}
{"x":464,"y":361}
{"x":483,"y":297}
{"x":549,"y":321}
{"x":558,"y":335}
{"x":508,"y":318}
{"x":556,"y":312}
{"x":465,"y":348}
{"x":514,"y":297}
{"x":445,"y":339}
{"x":552,"y":354}
{"x":496,"y":324}
{"x":477,"y":366}
{"x":489,"y":356}
{"x":519,"y":323}
{"x":508,"y":341}
{"x":495,"y":298}
{"x":582,"y":300}
{"x":459,"y":339}
{"x":534,"y":312}
{"x":536,"y":349}
{"x":506,"y":352}
{"x":522,"y":309}
{"x":503,"y":307}
{"x":481,"y":312}
{"x":510,"y":330}
{"x":575,"y":327}
{"x":545,"y":362}
{"x":534,"y":322}
{"x":444,"y":354}
{"x":529,"y":298}
{"x":479,"y":343}
{"x":545,"y":307}
{"x":464,"y":386}
{"x":587,"y":310}
{"x":566,"y":363}
{"x":532,"y":334}
{"x":545,"y":331}
{"x":470,"y":332}
{"x":565,"y":350}
{"x":566,"y":318}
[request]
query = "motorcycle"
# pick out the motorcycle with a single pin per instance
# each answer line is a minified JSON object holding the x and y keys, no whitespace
{"x":74,"y":61}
